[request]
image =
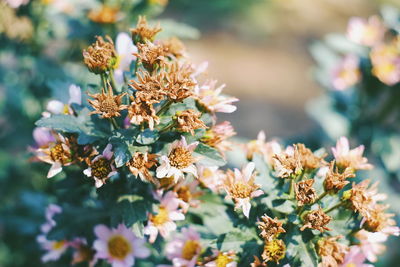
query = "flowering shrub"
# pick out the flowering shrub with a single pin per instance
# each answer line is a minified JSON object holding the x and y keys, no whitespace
{"x":138,"y":167}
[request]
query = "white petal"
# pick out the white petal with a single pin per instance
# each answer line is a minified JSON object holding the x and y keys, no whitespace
{"x":55,"y":169}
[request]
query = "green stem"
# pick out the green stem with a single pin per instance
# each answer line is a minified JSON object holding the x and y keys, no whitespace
{"x":104,"y":80}
{"x":114,"y":123}
{"x":334,"y":207}
{"x":291,"y":188}
{"x":167,"y":127}
{"x":164,"y":108}
{"x":321,"y":196}
{"x":113,"y":83}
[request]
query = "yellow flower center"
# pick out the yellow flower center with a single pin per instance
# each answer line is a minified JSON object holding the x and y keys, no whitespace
{"x":351,"y":265}
{"x":101,"y":168}
{"x":119,"y":247}
{"x":58,"y":245}
{"x":180,"y":158}
{"x":190,"y":249}
{"x":241,"y":190}
{"x":222,"y":260}
{"x":161,"y":217}
{"x":184,"y":193}
{"x":57,"y":153}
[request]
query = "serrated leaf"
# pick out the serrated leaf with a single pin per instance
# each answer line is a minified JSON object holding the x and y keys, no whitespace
{"x":147,"y":137}
{"x":235,"y":239}
{"x":209,"y":156}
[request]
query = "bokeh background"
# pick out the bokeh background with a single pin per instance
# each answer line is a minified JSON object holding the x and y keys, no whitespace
{"x":258,"y":48}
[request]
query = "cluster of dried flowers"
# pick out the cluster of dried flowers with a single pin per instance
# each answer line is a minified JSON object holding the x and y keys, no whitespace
{"x":152,"y":118}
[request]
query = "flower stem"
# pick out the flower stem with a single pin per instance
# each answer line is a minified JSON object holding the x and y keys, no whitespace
{"x":321,"y":196}
{"x":113,"y":83}
{"x":164,"y":108}
{"x":104,"y":80}
{"x":167,"y":127}
{"x":114,"y":123}
{"x":291,"y":188}
{"x":334,"y":207}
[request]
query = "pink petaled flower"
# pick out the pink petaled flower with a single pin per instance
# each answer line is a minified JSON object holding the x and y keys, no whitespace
{"x":352,"y":158}
{"x":51,"y":210}
{"x":43,"y":136}
{"x":54,"y":249}
{"x":184,"y":249}
{"x":188,"y":193}
{"x":347,"y":73}
{"x":240,"y":186}
{"x":57,"y":153}
{"x":386,"y":62}
{"x":366,"y":32}
{"x":371,"y":244}
{"x":267,"y":149}
{"x":211,"y":177}
{"x":179,"y":161}
{"x":102,"y":167}
{"x":355,"y":258}
{"x":58,"y":107}
{"x":17,"y":3}
{"x":211,"y":98}
{"x":217,"y":136}
{"x":163,"y":221}
{"x":125,"y":49}
{"x":119,"y":246}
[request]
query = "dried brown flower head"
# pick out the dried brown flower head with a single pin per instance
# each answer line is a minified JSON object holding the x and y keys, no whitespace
{"x":274,"y":250}
{"x":150,"y":55}
{"x":305,"y":193}
{"x":316,"y":219}
{"x":101,"y":55}
{"x":149,"y":88}
{"x":143,"y":32}
{"x":308,"y":160}
{"x":331,"y":252}
{"x":179,"y":84}
{"x":173,"y":47}
{"x":106,"y":104}
{"x":363,"y":198}
{"x":270,"y":228}
{"x":140,"y":112}
{"x":104,"y":15}
{"x":287,"y":164}
{"x":188,"y":121}
{"x":139,"y":165}
{"x":335,"y":180}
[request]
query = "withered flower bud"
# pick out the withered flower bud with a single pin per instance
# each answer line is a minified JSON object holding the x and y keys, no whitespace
{"x":270,"y":228}
{"x":140,"y":112}
{"x":332,"y":253}
{"x":305,"y":193}
{"x":139,"y":165}
{"x":316,"y":219}
{"x":335,"y":180}
{"x":149,"y":88}
{"x":106,"y":104}
{"x":179,"y":85}
{"x":101,"y":55}
{"x":189,"y":120}
{"x":173,"y":47}
{"x":308,"y":160}
{"x":143,"y":32}
{"x":150,"y":55}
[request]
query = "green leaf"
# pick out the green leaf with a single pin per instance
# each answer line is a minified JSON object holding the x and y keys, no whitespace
{"x":263,"y":178}
{"x":209,"y":156}
{"x":301,"y":251}
{"x":130,"y":212}
{"x":147,"y":137}
{"x":234,"y":240}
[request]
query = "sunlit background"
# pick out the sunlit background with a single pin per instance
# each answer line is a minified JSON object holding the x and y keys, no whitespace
{"x":261,"y":54}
